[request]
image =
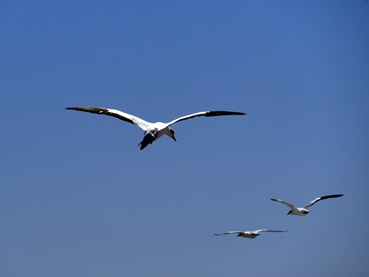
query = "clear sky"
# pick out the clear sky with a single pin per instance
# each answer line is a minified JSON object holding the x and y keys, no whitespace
{"x":77,"y":196}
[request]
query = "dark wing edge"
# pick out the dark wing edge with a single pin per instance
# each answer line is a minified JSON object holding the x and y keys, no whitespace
{"x":331,"y":196}
{"x":206,"y":114}
{"x":229,"y":233}
{"x":322,"y":198}
{"x":267,"y":230}
{"x":220,"y":113}
{"x":103,"y":111}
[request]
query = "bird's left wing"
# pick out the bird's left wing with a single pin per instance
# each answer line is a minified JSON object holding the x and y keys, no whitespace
{"x":207,"y":114}
{"x":322,"y":198}
{"x":229,"y":233}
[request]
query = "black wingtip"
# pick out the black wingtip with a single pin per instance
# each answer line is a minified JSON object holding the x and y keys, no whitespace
{"x":219,"y":113}
{"x":331,"y":196}
{"x":74,"y":108}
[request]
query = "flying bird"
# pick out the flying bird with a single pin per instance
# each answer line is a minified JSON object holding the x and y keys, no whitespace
{"x":153,"y":131}
{"x":304,"y":210}
{"x":248,"y":234}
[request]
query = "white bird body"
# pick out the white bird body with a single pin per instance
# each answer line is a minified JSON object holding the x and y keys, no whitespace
{"x":248,"y":234}
{"x":304,"y":210}
{"x":153,"y":131}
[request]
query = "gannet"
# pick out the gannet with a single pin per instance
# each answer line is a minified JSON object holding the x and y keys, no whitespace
{"x":153,"y":131}
{"x":304,"y":211}
{"x":248,"y":234}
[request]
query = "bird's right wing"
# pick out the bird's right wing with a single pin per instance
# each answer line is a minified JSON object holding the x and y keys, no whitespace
{"x":118,"y":114}
{"x":207,"y":114}
{"x":311,"y":203}
{"x":284,"y":202}
{"x":265,"y":230}
{"x":229,"y":233}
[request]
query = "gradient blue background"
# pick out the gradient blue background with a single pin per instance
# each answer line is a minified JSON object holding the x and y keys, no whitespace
{"x":78,"y":198}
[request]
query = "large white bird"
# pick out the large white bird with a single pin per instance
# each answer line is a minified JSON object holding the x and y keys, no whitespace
{"x":153,"y":131}
{"x":248,"y":234}
{"x":304,"y":210}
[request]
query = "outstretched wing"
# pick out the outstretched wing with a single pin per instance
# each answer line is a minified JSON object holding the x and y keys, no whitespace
{"x":265,"y":230}
{"x":284,"y":202}
{"x":118,"y":114}
{"x":322,"y":198}
{"x":207,"y":114}
{"x":229,"y":233}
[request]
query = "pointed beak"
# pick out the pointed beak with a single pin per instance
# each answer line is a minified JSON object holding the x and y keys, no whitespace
{"x":173,"y":137}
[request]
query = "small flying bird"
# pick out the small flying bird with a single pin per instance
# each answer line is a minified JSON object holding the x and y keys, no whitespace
{"x":248,"y":234}
{"x":304,"y":210}
{"x":153,"y":131}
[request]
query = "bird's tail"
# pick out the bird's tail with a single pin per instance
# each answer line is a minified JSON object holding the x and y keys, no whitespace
{"x":149,"y":138}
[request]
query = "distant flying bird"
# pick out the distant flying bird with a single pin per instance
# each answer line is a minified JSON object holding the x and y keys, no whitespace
{"x":304,"y":211}
{"x":248,"y":234}
{"x":153,"y":131}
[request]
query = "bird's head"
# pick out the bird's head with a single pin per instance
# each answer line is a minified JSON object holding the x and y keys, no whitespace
{"x":171,"y":133}
{"x":289,"y":212}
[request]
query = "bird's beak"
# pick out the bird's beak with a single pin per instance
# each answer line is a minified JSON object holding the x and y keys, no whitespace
{"x":173,"y":137}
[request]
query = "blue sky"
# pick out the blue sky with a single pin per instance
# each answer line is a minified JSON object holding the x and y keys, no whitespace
{"x":77,"y":196}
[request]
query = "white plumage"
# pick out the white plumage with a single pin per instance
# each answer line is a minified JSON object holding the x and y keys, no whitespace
{"x":304,"y":210}
{"x":153,"y":131}
{"x":248,"y":234}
